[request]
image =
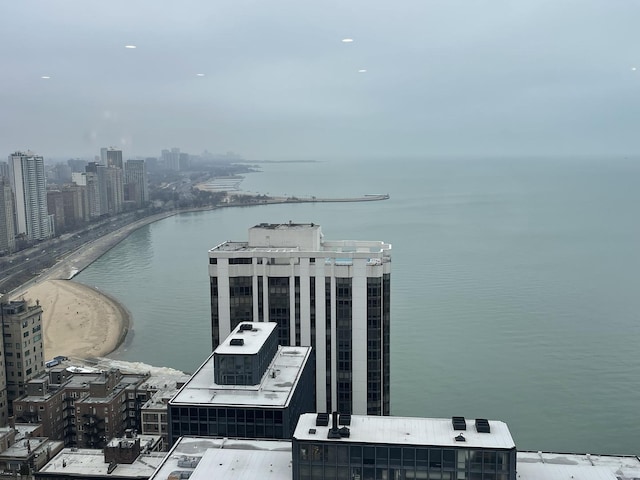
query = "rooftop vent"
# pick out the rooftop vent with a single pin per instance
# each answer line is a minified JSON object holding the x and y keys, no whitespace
{"x":245,"y":326}
{"x":459,"y":423}
{"x":344,"y":432}
{"x":460,"y":438}
{"x":237,"y":342}
{"x":322,"y":420}
{"x":482,"y":425}
{"x":345,"y":419}
{"x":312,"y":431}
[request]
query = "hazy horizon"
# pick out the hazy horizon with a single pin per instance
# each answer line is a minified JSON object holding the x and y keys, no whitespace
{"x":276,"y":80}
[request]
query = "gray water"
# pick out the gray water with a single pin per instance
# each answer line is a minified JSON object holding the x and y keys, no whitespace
{"x":515,"y":286}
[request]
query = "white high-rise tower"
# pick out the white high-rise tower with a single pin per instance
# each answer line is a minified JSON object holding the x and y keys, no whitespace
{"x":29,"y":185}
{"x":331,"y":295}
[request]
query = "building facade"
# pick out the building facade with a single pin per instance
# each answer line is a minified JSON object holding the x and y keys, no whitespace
{"x":29,"y":184}
{"x":83,"y":409}
{"x":23,"y":346}
{"x":114,"y":158}
{"x":136,"y":175}
{"x":331,"y":295}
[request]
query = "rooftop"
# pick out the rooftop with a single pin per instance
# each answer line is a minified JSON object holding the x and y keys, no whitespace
{"x":252,"y":339}
{"x":562,"y":466}
{"x":206,"y":458}
{"x":90,"y":462}
{"x":189,"y":452}
{"x":407,"y":431}
{"x":275,"y":389}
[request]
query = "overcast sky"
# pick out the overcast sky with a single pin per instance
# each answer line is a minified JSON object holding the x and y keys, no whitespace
{"x":443,"y":77}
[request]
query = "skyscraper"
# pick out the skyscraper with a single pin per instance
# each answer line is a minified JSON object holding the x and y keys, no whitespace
{"x":30,"y":189}
{"x":136,"y":174}
{"x":331,"y":295}
{"x":7,"y":229}
{"x":114,"y":157}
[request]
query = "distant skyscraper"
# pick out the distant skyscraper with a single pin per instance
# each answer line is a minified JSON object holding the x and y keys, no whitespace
{"x":30,"y":189}
{"x":331,"y":295}
{"x":114,"y":158}
{"x":171,"y":159}
{"x":7,"y":228}
{"x":115,"y":190}
{"x":136,"y":174}
{"x":4,"y":170}
{"x":184,"y":162}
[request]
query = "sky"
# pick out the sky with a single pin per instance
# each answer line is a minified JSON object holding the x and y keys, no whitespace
{"x":274,"y":79}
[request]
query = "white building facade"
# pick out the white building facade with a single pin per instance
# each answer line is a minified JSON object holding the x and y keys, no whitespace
{"x":28,"y":181}
{"x":331,"y":295}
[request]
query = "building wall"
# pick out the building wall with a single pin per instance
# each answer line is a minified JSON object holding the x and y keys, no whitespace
{"x":344,"y":461}
{"x":136,"y":174}
{"x":84,"y":414}
{"x":55,"y":207}
{"x":23,"y":346}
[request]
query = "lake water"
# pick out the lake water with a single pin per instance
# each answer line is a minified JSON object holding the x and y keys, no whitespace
{"x":515,"y":286}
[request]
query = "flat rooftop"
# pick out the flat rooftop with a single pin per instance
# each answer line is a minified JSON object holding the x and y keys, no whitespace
{"x":327,"y":248}
{"x":206,"y":458}
{"x":253,"y":339}
{"x":84,"y":462}
{"x":272,"y":391}
{"x":562,"y":466}
{"x":407,"y":431}
{"x":189,"y":452}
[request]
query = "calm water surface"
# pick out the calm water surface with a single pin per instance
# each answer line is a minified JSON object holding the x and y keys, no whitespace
{"x":515,"y":286}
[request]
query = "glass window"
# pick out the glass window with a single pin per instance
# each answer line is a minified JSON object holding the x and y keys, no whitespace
{"x":435,"y":458}
{"x":343,"y":454}
{"x":355,"y":454}
{"x":449,"y":459}
{"x":395,"y":454}
{"x":369,"y":456}
{"x":409,"y":457}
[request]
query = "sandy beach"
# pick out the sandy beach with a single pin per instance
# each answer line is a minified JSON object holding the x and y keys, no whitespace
{"x":78,"y":321}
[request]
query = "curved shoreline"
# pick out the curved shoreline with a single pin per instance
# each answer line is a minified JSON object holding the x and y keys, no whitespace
{"x":79,"y":321}
{"x":78,"y":260}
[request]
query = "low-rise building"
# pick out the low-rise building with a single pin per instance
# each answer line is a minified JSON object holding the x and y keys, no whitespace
{"x":248,"y":388}
{"x":369,"y":447}
{"x":20,"y":454}
{"x":129,"y":458}
{"x":154,"y":414}
{"x":378,"y":455}
{"x":83,"y":409}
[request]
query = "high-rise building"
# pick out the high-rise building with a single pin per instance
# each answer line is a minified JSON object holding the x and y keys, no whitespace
{"x":7,"y":229}
{"x":114,"y":158}
{"x":171,"y":159}
{"x":136,"y":175}
{"x":23,"y":345}
{"x":55,"y":206}
{"x":30,"y":189}
{"x":331,"y":295}
{"x":115,"y":189}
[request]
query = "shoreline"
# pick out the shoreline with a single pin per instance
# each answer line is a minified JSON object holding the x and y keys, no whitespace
{"x":50,"y":292}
